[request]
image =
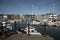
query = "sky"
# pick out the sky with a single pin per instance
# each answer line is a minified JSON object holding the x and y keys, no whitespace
{"x":29,"y":6}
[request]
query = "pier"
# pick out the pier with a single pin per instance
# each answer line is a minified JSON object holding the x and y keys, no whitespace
{"x":27,"y":37}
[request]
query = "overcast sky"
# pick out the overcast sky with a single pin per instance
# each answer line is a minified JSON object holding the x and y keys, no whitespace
{"x":26,"y":6}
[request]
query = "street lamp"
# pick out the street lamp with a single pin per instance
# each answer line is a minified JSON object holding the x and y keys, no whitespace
{"x":45,"y":28}
{"x":28,"y":28}
{"x":15,"y":25}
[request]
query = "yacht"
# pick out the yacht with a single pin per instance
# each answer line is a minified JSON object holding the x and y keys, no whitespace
{"x":32,"y":31}
{"x":9,"y":26}
{"x":35,"y":22}
{"x":52,"y":22}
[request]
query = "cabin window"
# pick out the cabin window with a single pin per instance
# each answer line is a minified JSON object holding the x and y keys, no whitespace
{"x":54,"y":21}
{"x":32,"y":30}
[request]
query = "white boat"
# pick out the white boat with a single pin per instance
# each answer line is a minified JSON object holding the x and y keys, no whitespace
{"x":35,"y":22}
{"x":9,"y":26}
{"x":52,"y":22}
{"x":32,"y":31}
{"x":11,"y":21}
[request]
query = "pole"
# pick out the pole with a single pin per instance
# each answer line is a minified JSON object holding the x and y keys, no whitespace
{"x":45,"y":28}
{"x":3,"y":30}
{"x":15,"y":26}
{"x":28,"y":30}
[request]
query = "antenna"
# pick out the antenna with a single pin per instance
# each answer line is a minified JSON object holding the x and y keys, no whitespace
{"x":54,"y":8}
{"x":32,"y":10}
{"x":49,"y":10}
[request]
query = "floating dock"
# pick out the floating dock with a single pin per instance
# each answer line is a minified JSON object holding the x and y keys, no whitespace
{"x":27,"y":37}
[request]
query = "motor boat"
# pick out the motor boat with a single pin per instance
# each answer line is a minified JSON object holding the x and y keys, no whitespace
{"x":32,"y":31}
{"x":52,"y":22}
{"x":9,"y":26}
{"x":35,"y":22}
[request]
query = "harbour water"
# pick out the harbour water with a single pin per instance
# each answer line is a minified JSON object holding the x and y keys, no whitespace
{"x":51,"y":31}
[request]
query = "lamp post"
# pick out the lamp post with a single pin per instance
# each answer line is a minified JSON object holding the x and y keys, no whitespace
{"x":16,"y":29}
{"x":45,"y":28}
{"x":28,"y":28}
{"x":15,"y":26}
{"x":3,"y":31}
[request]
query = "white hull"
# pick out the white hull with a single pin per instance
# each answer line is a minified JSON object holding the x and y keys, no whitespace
{"x":32,"y":31}
{"x":35,"y":33}
{"x":35,"y":22}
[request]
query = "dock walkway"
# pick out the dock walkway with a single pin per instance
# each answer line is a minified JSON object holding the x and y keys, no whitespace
{"x":27,"y":37}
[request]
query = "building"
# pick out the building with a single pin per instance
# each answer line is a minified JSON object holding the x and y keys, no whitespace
{"x":1,"y":16}
{"x":48,"y":16}
{"x":58,"y":17}
{"x":28,"y":17}
{"x":10,"y":16}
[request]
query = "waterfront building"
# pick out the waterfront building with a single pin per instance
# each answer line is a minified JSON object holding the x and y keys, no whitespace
{"x":49,"y":16}
{"x":1,"y":16}
{"x":58,"y":17}
{"x":28,"y":17}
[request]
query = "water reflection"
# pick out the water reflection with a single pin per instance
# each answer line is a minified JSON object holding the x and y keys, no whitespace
{"x":53,"y":32}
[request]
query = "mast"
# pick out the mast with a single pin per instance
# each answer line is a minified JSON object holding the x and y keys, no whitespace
{"x":32,"y":10}
{"x":54,"y":8}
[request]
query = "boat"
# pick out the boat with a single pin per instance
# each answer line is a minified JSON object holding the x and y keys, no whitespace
{"x":32,"y":31}
{"x":35,"y":22}
{"x":52,"y":22}
{"x":9,"y":26}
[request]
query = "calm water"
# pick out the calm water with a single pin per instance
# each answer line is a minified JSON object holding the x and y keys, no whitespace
{"x":53,"y":32}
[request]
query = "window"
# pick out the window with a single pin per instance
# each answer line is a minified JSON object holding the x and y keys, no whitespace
{"x":32,"y":30}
